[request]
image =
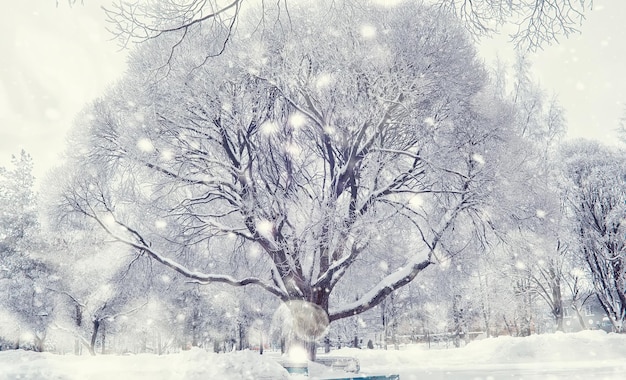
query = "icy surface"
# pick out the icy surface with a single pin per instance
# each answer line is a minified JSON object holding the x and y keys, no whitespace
{"x":585,"y":355}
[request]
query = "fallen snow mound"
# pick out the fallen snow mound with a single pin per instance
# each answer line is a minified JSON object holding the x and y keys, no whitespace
{"x":546,"y":348}
{"x":190,"y":365}
{"x":584,"y":351}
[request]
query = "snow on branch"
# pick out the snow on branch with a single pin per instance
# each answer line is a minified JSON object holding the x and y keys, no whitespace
{"x":379,"y":292}
{"x":204,"y":278}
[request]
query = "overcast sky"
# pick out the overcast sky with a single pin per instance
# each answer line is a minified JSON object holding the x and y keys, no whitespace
{"x":54,"y":60}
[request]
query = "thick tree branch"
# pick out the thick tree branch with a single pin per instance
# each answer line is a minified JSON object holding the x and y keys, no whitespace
{"x":378,"y":293}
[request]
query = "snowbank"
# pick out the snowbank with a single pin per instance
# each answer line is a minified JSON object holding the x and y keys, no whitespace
{"x":583,"y":349}
{"x":584,"y":355}
{"x":191,"y":365}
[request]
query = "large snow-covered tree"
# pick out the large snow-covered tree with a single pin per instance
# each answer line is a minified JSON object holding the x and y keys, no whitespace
{"x":320,"y":143}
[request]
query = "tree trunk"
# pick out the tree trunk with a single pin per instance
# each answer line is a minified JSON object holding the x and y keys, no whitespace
{"x":159,"y":344}
{"x":385,"y":326}
{"x":94,"y":335}
{"x":242,"y":336}
{"x":508,"y":326}
{"x":456,"y":314}
{"x":103,"y":351}
{"x":486,"y":321}
{"x":581,"y":319}
{"x":78,"y":319}
{"x":484,"y":303}
{"x":39,"y":342}
{"x":557,"y":298}
{"x":559,"y":320}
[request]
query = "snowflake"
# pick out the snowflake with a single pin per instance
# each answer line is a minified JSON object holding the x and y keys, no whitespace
{"x":167,"y":155}
{"x":368,"y":31}
{"x":383,"y":265}
{"x":145,"y":145}
{"x":269,"y":127}
{"x":265,"y":228}
{"x":292,"y":149}
{"x":416,"y":201}
{"x":323,"y":81}
{"x":479,"y":159}
{"x":297,"y":120}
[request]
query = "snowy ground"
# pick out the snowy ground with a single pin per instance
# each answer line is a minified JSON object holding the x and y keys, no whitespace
{"x":585,"y":355}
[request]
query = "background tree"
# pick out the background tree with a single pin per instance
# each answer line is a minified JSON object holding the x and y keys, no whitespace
{"x":527,"y":213}
{"x":596,"y":174}
{"x":25,"y":276}
{"x":98,"y":284}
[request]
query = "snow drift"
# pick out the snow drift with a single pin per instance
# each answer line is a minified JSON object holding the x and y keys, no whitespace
{"x":555,"y":356}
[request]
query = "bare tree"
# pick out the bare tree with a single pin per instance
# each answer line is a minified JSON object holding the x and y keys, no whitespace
{"x":532,"y":222}
{"x":310,"y":148}
{"x":25,"y":275}
{"x":596,"y":174}
{"x":539,"y":22}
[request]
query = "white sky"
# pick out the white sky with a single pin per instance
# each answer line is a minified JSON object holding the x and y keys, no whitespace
{"x":54,"y":60}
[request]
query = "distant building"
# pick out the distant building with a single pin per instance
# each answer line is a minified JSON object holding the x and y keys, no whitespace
{"x":591,"y":317}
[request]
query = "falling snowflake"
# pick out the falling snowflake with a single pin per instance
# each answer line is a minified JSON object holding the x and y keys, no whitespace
{"x":265,"y":228}
{"x":109,"y":220}
{"x":269,"y":127}
{"x":297,"y":120}
{"x":293,"y":149}
{"x":368,"y":31}
{"x":254,"y":252}
{"x":145,"y":145}
{"x":478,"y":158}
{"x":323,"y":81}
{"x":167,"y":155}
{"x":383,"y":266}
{"x":416,"y":201}
{"x":329,"y":129}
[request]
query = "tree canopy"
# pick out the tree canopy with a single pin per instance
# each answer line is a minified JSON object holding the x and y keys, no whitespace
{"x":309,"y":148}
{"x":539,"y":22}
